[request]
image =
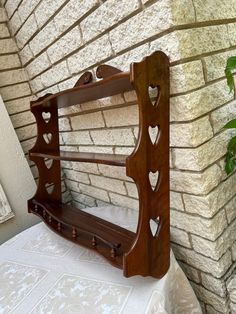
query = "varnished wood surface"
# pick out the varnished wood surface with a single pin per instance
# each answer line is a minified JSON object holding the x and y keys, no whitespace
{"x":108,"y":159}
{"x":118,"y":83}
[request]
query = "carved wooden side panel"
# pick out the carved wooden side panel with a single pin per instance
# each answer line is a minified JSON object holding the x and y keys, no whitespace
{"x":151,"y":156}
{"x":49,"y":185}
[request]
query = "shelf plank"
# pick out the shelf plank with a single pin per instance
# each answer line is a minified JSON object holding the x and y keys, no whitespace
{"x":108,"y":159}
{"x":116,"y":84}
{"x":81,"y":227}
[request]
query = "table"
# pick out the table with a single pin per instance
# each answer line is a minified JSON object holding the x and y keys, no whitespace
{"x":40,"y":272}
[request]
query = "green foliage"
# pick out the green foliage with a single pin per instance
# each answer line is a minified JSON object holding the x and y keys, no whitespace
{"x":230,"y":158}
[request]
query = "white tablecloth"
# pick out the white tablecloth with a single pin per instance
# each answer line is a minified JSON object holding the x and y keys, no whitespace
{"x":40,"y":272}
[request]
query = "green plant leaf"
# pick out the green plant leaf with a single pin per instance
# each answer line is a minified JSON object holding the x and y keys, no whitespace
{"x":232,"y":146}
{"x":231,"y":124}
{"x":229,"y":166}
{"x":230,"y":66}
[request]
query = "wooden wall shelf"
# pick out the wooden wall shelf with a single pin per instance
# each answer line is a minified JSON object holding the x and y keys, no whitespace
{"x":144,"y":252}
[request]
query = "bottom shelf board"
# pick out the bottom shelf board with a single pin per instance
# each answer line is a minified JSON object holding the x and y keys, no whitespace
{"x":108,"y":239}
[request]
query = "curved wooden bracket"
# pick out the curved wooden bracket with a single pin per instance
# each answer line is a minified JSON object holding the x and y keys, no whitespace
{"x":84,"y":79}
{"x":104,"y":71}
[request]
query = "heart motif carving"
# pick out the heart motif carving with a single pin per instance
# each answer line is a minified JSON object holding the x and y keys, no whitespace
{"x":153,"y":179}
{"x":153,"y":133}
{"x":46,"y":116}
{"x":49,"y":187}
{"x":47,"y":137}
{"x":154,"y":226}
{"x":48,"y":163}
{"x":154,"y":95}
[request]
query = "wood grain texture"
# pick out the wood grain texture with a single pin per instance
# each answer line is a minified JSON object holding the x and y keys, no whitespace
{"x":146,"y":252}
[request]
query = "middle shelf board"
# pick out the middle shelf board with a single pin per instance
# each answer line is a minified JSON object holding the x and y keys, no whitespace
{"x":108,"y":159}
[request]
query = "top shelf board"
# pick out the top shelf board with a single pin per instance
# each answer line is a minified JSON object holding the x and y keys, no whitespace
{"x":109,"y":86}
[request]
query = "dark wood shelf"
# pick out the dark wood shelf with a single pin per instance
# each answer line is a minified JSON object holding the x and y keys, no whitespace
{"x":115,"y":84}
{"x":108,"y":159}
{"x":108,"y":239}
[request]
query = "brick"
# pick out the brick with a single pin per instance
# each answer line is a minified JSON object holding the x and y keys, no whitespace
{"x":3,"y":15}
{"x":196,"y":183}
{"x":26,"y":8}
{"x":15,"y":91}
{"x":86,"y":200}
{"x":4,"y":32}
{"x":8,"y":46}
{"x":108,"y":184}
{"x":77,"y":138}
{"x":106,"y":16}
{"x":206,"y":228}
{"x":205,"y":295}
{"x":26,"y":132}
{"x":53,"y":89}
{"x":190,"y":134}
{"x":36,"y":84}
{"x":152,"y":21}
{"x":182,"y":12}
{"x":124,"y":201}
{"x":15,"y":23}
{"x":77,"y":176}
{"x":124,"y":60}
{"x":132,"y":189}
{"x":18,"y":105}
{"x":46,"y":9}
{"x":215,"y":285}
{"x":65,"y":45}
{"x":217,"y":10}
{"x":215,"y":64}
{"x":38,"y":65}
{"x":231,"y":287}
{"x":25,"y":55}
{"x":222,"y":115}
{"x":28,"y":144}
{"x":26,"y":32}
{"x":195,"y":104}
{"x":199,"y":158}
{"x":169,"y":44}
{"x":179,"y":236}
{"x":54,"y":75}
{"x":87,"y":121}
{"x":84,"y":58}
{"x":185,"y":77}
{"x":122,"y":137}
{"x":176,"y":201}
{"x":196,"y":41}
{"x":216,"y":268}
{"x":103,"y":103}
{"x":64,"y":124}
{"x":231,"y":32}
{"x":94,"y":192}
{"x":96,"y":149}
{"x":190,"y":272}
{"x":72,"y":12}
{"x":9,"y":61}
{"x":123,"y":150}
{"x":73,"y":186}
{"x":11,"y":6}
{"x":22,"y":119}
{"x":85,"y":167}
{"x":217,"y":248}
{"x":11,"y":77}
{"x":48,"y":34}
{"x":121,"y":116}
{"x":113,"y":172}
{"x":208,"y":205}
{"x":230,"y":210}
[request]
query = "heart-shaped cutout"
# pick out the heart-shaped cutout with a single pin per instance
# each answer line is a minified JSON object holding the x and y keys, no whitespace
{"x":153,"y":93}
{"x":47,"y":137}
{"x":153,"y":133}
{"x":154,"y":226}
{"x":153,"y":179}
{"x":46,"y":116}
{"x":49,"y":187}
{"x":48,"y":163}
